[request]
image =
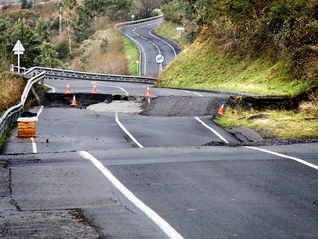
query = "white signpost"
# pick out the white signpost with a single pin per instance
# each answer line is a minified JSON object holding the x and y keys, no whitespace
{"x":137,"y":62}
{"x":180,"y":29}
{"x":18,"y":50}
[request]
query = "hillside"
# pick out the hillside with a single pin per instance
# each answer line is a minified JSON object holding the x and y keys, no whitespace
{"x":264,"y":47}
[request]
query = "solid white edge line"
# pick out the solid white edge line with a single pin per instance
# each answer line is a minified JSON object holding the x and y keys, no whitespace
{"x":217,"y":134}
{"x":53,"y":89}
{"x":126,"y":131}
{"x":165,"y":227}
{"x":34,"y":149}
{"x":285,"y":156}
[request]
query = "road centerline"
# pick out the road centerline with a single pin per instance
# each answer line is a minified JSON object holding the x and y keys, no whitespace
{"x":159,"y":221}
{"x":34,"y":148}
{"x":126,"y":131}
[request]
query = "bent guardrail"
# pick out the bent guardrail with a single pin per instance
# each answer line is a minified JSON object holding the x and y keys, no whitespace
{"x":51,"y":73}
{"x":14,"y":112}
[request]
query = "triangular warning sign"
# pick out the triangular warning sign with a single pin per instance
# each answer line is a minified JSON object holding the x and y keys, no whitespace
{"x":18,"y":47}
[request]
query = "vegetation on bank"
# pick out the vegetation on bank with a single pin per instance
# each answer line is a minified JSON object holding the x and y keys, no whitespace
{"x":11,"y":90}
{"x":265,"y":47}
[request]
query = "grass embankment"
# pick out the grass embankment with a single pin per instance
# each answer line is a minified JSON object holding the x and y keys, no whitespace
{"x":132,"y":55}
{"x":204,"y":66}
{"x":11,"y":90}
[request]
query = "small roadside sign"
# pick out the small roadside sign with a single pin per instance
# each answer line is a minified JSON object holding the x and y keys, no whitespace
{"x":18,"y":50}
{"x":160,"y":58}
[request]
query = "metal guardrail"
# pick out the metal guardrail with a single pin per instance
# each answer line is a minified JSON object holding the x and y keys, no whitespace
{"x":14,"y":112}
{"x":51,"y":73}
{"x":117,"y":26}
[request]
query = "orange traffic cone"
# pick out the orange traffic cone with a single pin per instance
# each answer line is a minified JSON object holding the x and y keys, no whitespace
{"x":74,"y":101}
{"x":221,"y":110}
{"x":148,"y":100}
{"x":68,"y":90}
{"x":148,"y":92}
{"x":94,"y":89}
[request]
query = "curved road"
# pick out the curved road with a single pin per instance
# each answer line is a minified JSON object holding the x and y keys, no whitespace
{"x":151,"y":46}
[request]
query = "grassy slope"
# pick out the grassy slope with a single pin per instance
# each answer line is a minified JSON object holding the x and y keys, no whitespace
{"x":204,"y":66}
{"x":132,"y":55}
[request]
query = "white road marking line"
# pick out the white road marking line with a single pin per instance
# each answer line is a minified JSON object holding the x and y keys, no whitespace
{"x":53,"y":89}
{"x":160,"y":39}
{"x":285,"y":156}
{"x":126,"y":92}
{"x":126,"y":131}
{"x":40,"y":110}
{"x":170,"y":231}
{"x":192,"y":92}
{"x":217,"y":134}
{"x":34,"y":149}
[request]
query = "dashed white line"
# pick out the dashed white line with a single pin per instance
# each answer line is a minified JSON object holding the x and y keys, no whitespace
{"x":165,"y":227}
{"x":285,"y":156}
{"x":40,"y":111}
{"x":34,"y":148}
{"x":208,"y":127}
{"x":126,"y":131}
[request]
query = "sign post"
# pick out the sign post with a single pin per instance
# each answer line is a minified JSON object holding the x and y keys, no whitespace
{"x":159,"y":59}
{"x":137,"y":62}
{"x":18,"y":50}
{"x":180,"y":29}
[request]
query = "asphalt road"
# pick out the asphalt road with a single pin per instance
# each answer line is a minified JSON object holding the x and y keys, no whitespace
{"x":121,"y":88}
{"x":200,"y":192}
{"x":151,"y":46}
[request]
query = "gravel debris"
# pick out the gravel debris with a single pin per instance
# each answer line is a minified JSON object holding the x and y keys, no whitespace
{"x":270,"y":142}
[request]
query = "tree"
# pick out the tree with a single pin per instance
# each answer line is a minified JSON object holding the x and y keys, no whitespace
{"x":28,"y":38}
{"x":26,"y":5}
{"x":47,"y":57}
{"x":41,"y":29}
{"x":146,"y":7}
{"x":96,"y":8}
{"x":63,"y":50}
{"x":118,"y":10}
